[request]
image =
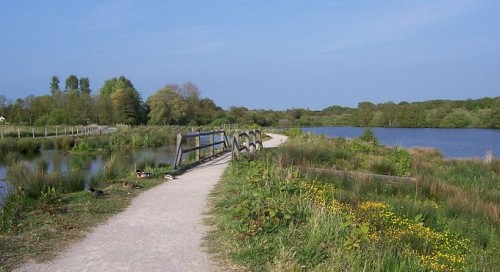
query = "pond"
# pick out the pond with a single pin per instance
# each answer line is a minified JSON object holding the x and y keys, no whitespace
{"x":92,"y":164}
{"x":453,"y":143}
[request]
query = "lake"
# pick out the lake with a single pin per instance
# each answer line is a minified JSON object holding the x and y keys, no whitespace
{"x":453,"y":143}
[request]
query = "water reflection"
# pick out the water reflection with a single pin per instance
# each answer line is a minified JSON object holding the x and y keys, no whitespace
{"x":63,"y":161}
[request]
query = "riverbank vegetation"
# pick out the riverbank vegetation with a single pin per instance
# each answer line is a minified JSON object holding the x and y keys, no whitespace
{"x":269,"y":214}
{"x":119,"y":102}
{"x":124,"y":136}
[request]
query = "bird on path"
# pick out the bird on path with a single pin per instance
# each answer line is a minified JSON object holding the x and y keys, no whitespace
{"x":169,"y":176}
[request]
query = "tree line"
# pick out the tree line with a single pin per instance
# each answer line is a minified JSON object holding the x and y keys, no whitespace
{"x":119,"y":102}
{"x":116,"y":102}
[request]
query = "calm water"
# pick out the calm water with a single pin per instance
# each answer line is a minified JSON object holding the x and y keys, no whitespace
{"x":63,"y":161}
{"x":453,"y":143}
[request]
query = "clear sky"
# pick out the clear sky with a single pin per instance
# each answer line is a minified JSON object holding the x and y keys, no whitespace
{"x":258,"y":54}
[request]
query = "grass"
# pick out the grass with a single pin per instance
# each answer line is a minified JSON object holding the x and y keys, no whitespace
{"x":38,"y":228}
{"x":267,"y":215}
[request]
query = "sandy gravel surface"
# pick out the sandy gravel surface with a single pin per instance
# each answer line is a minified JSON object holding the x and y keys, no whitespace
{"x":161,"y":230}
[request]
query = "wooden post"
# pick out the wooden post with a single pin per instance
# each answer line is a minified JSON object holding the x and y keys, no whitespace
{"x":236,"y":147}
{"x":197,"y":143}
{"x":18,"y":133}
{"x":33,"y":131}
{"x":65,"y":131}
{"x":178,"y":157}
{"x":56,"y":131}
{"x":212,"y":141}
{"x":45,"y":132}
{"x":258,"y":136}
{"x":247,"y":140}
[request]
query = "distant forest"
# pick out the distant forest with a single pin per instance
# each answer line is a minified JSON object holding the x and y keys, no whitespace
{"x":118,"y":102}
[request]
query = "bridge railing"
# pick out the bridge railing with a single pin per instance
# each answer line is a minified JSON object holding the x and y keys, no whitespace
{"x":201,"y":146}
{"x":249,"y":141}
{"x":201,"y":149}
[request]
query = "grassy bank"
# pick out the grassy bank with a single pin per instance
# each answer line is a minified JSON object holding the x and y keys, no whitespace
{"x":37,"y":226}
{"x":268,"y":215}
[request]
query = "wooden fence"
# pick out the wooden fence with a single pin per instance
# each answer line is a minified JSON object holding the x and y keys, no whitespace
{"x":44,"y":132}
{"x":200,"y":151}
{"x":249,"y":141}
{"x":184,"y":147}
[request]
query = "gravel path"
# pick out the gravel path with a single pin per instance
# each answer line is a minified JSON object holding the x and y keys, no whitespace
{"x":161,"y":230}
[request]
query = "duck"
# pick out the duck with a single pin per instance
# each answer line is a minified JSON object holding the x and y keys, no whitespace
{"x":142,"y":174}
{"x":131,"y":185}
{"x":96,"y":193}
{"x":169,"y":176}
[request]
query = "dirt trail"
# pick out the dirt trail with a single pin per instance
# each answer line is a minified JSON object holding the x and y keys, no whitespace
{"x":162,"y":229}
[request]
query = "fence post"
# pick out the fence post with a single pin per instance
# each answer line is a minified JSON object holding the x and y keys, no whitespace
{"x":197,"y":143}
{"x":33,"y":131}
{"x":212,"y":141}
{"x":247,"y":140}
{"x":236,"y":146}
{"x":45,"y":132}
{"x":56,"y":131}
{"x":178,"y":158}
{"x":18,"y":133}
{"x":258,"y":143}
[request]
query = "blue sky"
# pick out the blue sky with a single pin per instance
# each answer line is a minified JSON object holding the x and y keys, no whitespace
{"x":258,"y":54}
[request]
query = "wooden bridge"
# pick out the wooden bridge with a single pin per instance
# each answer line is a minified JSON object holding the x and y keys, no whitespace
{"x":202,"y":146}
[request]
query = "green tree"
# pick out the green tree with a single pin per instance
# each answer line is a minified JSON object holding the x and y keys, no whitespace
{"x":167,"y":106}
{"x":364,"y":115}
{"x":3,"y":105}
{"x":209,"y":111}
{"x":458,"y":118}
{"x":104,"y":110}
{"x":127,"y":105}
{"x":483,"y":118}
{"x":71,"y":84}
{"x":191,"y":94}
{"x":435,"y":117}
{"x":41,"y":106}
{"x":495,"y":122}
{"x":410,"y":115}
{"x":238,"y":115}
{"x":54,"y":86}
{"x":85,"y":85}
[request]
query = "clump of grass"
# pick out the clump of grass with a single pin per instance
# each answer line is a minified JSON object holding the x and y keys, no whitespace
{"x":34,"y":180}
{"x":146,"y":164}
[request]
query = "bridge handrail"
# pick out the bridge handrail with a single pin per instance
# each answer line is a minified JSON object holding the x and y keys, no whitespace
{"x":252,"y":141}
{"x":181,"y":150}
{"x":249,"y":141}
